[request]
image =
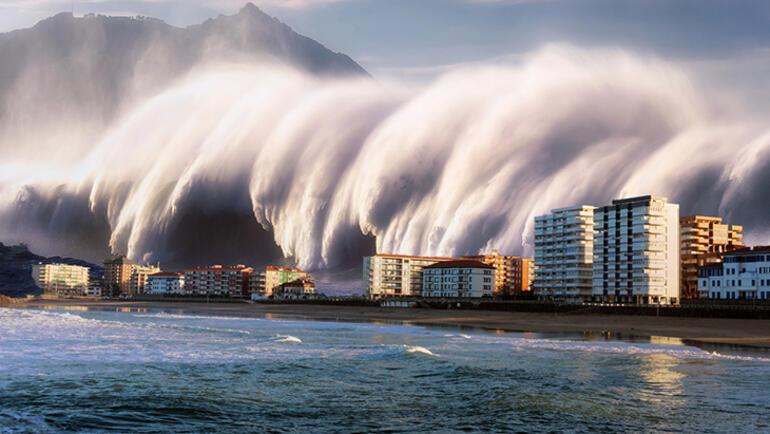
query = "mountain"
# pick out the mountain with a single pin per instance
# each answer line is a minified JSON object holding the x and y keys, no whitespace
{"x":16,"y":269}
{"x":81,"y":71}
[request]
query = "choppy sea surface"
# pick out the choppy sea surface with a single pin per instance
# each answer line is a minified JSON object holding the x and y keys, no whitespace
{"x":96,"y":371}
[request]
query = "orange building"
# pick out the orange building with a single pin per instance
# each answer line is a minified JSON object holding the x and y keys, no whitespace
{"x":702,"y":241}
{"x":513,"y":274}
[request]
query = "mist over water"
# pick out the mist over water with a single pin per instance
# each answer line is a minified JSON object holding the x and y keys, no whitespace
{"x":244,"y":161}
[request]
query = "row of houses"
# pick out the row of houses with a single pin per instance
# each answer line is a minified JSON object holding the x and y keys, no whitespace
{"x":493,"y":274}
{"x":126,"y":278}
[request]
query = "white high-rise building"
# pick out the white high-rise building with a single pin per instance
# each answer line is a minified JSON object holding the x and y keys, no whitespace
{"x":636,"y":251}
{"x":396,"y":275}
{"x":564,"y":253}
{"x":61,"y":279}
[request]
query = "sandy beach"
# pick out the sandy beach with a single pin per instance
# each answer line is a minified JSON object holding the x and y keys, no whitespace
{"x":696,"y":331}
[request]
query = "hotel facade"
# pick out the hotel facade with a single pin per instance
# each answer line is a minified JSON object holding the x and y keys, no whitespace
{"x":458,"y":279}
{"x":564,"y":247}
{"x":387,"y":275}
{"x":636,"y":251}
{"x":703,"y":240}
{"x":61,"y":279}
{"x":744,"y":274}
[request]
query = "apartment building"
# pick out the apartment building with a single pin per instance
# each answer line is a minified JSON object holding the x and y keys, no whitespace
{"x":295,"y":290}
{"x":743,"y":274}
{"x":513,"y":274}
{"x":276,"y":276}
{"x":218,"y":281}
{"x":117,"y":275}
{"x":61,"y":279}
{"x":703,"y":240}
{"x":564,"y":248}
{"x":458,"y":279}
{"x":139,"y":276}
{"x":165,"y":283}
{"x":636,"y":251}
{"x":387,"y":275}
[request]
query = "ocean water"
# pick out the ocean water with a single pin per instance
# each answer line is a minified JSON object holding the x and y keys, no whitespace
{"x":96,"y":371}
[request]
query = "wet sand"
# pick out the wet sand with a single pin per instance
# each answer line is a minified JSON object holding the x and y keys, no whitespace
{"x":698,"y":331}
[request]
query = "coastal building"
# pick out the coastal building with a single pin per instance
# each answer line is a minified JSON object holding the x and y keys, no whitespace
{"x":513,"y":274}
{"x":276,"y":276}
{"x":636,"y":251}
{"x":257,"y":285}
{"x":95,"y":287}
{"x":61,"y":280}
{"x":139,"y":276}
{"x":387,"y":275}
{"x":165,"y":283}
{"x":743,"y":274}
{"x":564,"y":253}
{"x":703,"y":240}
{"x":117,"y":275}
{"x":299,"y":289}
{"x":523,"y":275}
{"x":458,"y":279}
{"x":218,"y":281}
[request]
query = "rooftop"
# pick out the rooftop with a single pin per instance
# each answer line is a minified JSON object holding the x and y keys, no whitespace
{"x":464,"y":263}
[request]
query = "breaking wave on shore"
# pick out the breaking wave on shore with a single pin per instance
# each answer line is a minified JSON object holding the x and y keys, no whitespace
{"x":316,"y":168}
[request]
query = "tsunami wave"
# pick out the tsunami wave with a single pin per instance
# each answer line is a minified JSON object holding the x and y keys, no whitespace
{"x":454,"y":167}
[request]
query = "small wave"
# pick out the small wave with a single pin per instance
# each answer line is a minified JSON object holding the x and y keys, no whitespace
{"x":288,"y":339}
{"x":419,"y":350}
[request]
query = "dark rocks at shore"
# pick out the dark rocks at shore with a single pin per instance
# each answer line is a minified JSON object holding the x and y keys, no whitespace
{"x":16,"y":269}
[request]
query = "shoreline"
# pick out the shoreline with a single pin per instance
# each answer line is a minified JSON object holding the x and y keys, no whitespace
{"x":702,"y":332}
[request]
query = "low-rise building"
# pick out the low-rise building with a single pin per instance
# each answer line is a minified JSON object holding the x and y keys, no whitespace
{"x":165,"y":283}
{"x":743,"y":274}
{"x":299,"y":289}
{"x":61,"y":280}
{"x":276,"y":276}
{"x":387,"y":275}
{"x":458,"y":279}
{"x":513,"y":274}
{"x":218,"y":281}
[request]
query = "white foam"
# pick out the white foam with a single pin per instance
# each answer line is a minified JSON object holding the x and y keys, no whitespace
{"x":419,"y":350}
{"x":288,"y":339}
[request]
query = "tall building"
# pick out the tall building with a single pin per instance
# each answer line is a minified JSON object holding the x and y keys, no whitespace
{"x":744,"y":274}
{"x":523,"y":274}
{"x":218,"y":280}
{"x":387,"y":275}
{"x":564,"y":253}
{"x":703,"y":239}
{"x":61,"y":279}
{"x":276,"y":276}
{"x":117,"y":275}
{"x":458,"y":279}
{"x":138,"y":280}
{"x":165,"y":283}
{"x":636,"y":251}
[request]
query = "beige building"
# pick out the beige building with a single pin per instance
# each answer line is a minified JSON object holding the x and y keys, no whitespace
{"x":703,"y":239}
{"x":61,"y":279}
{"x":276,"y":276}
{"x":387,"y":275}
{"x":139,"y":275}
{"x":513,"y":274}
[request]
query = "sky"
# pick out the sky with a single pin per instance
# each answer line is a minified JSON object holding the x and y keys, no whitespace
{"x":422,"y":38}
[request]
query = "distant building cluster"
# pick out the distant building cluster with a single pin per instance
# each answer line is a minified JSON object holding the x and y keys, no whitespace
{"x":126,"y":278}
